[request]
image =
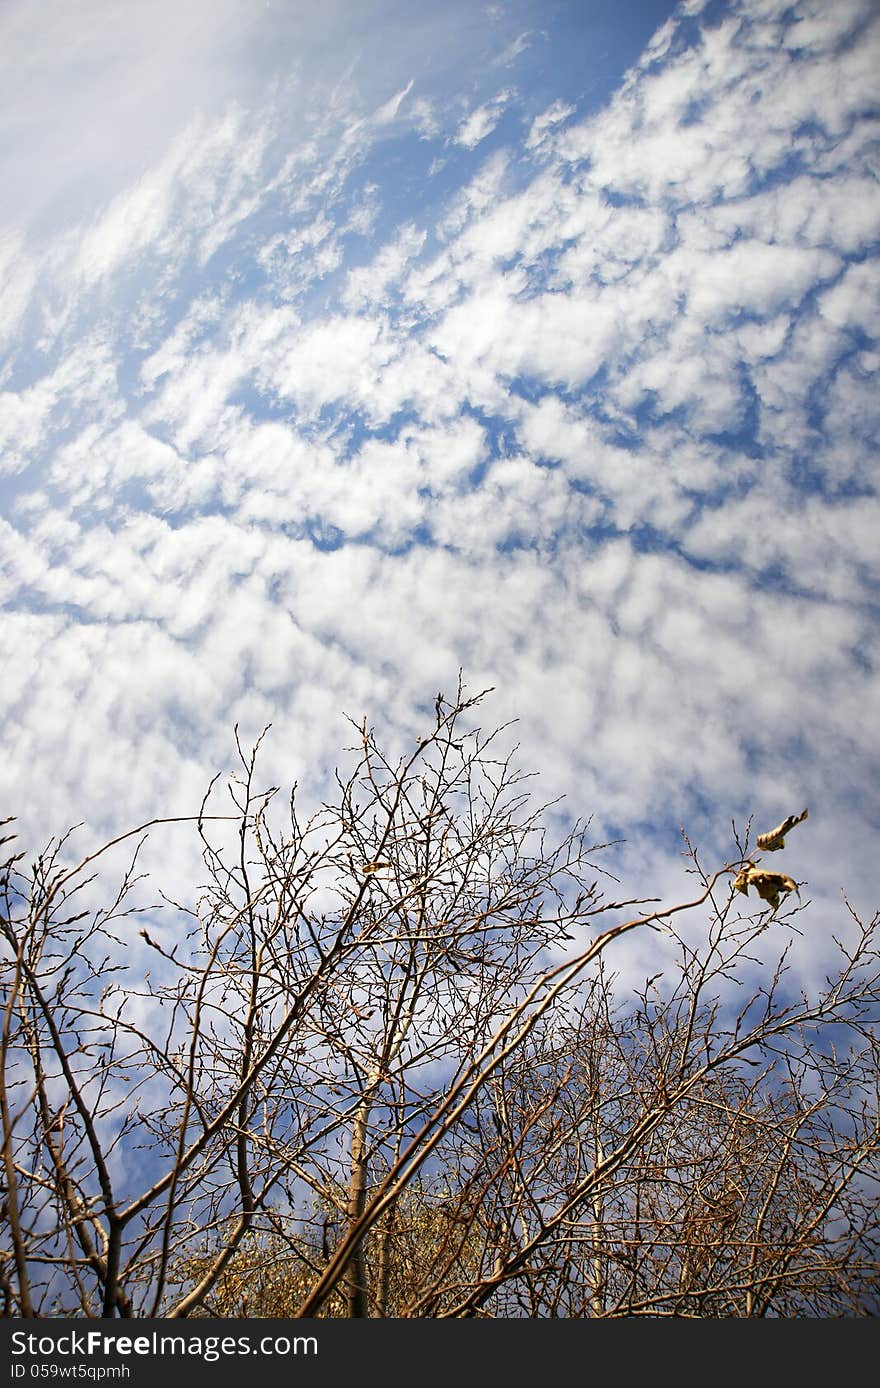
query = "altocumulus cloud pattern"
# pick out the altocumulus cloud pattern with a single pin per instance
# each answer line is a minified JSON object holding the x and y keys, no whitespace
{"x":344,"y":346}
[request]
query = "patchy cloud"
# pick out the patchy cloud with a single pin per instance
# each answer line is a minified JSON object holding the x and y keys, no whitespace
{"x":482,"y":121}
{"x":334,"y":390}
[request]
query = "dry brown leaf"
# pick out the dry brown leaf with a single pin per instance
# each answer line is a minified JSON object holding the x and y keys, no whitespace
{"x":374,"y":867}
{"x":775,"y":838}
{"x":768,"y":885}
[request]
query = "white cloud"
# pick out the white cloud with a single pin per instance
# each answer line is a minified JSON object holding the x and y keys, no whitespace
{"x":367,"y":284}
{"x":83,"y":384}
{"x":819,"y":547}
{"x":546,"y":122}
{"x":751,"y":276}
{"x":389,"y":109}
{"x":512,"y":50}
{"x":819,"y":27}
{"x":855,"y":301}
{"x":482,"y":121}
{"x":18,"y":276}
{"x":842,"y":213}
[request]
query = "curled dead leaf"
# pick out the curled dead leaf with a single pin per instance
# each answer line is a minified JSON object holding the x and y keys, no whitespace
{"x":775,"y":838}
{"x":768,"y":885}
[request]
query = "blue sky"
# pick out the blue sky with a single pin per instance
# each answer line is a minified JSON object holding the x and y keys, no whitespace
{"x":343,"y":346}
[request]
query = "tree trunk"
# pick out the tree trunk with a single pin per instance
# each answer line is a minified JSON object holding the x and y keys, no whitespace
{"x":356,"y":1273}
